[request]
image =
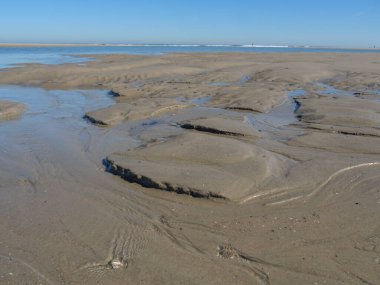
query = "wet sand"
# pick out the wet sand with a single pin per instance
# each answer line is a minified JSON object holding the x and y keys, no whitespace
{"x":192,"y":169}
{"x":10,"y":110}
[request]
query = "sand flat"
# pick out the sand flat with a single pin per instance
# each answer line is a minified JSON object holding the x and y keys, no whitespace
{"x":195,"y":178}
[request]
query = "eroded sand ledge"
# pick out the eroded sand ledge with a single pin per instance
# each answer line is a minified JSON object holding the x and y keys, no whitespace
{"x":292,"y":198}
{"x":201,"y":165}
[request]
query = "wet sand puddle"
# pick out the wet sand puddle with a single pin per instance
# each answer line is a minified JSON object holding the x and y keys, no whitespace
{"x":282,"y":115}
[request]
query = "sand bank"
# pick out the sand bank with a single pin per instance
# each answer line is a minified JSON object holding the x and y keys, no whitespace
{"x":10,"y":110}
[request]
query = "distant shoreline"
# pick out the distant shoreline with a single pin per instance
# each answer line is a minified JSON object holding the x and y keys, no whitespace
{"x":173,"y":45}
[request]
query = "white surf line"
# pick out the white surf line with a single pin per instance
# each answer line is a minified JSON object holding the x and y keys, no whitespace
{"x":34,"y":270}
{"x":340,"y":172}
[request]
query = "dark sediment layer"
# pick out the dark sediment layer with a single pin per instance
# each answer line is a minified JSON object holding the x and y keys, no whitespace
{"x":132,"y":177}
{"x":209,"y":130}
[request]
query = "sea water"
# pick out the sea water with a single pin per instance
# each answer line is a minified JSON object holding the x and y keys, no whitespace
{"x":18,"y":56}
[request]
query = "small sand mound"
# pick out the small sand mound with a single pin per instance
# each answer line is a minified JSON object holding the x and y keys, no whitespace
{"x":256,"y":97}
{"x":200,"y":165}
{"x":10,"y":110}
{"x":135,"y":110}
{"x":346,"y":115}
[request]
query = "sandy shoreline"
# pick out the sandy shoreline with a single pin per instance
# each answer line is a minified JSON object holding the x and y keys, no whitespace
{"x":209,"y":168}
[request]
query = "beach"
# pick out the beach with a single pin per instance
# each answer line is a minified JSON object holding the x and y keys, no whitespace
{"x":191,"y":168}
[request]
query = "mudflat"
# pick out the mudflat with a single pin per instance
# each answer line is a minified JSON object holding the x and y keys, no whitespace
{"x":206,"y":168}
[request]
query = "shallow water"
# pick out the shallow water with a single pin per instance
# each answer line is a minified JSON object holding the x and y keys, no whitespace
{"x":51,"y":184}
{"x":297,"y":92}
{"x":10,"y":56}
{"x":326,"y":89}
{"x":68,"y":103}
{"x":283,"y":114}
{"x":245,"y":78}
{"x":55,"y":114}
{"x":202,"y":100}
{"x":17,"y":58}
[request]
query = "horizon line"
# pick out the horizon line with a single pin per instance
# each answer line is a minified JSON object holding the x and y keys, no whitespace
{"x":37,"y":44}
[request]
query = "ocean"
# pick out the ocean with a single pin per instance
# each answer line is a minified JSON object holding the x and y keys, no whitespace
{"x":18,"y":56}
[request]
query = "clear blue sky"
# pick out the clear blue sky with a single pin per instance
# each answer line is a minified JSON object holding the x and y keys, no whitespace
{"x":354,"y":23}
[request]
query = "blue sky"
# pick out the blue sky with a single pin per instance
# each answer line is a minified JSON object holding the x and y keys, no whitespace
{"x":351,"y":23}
